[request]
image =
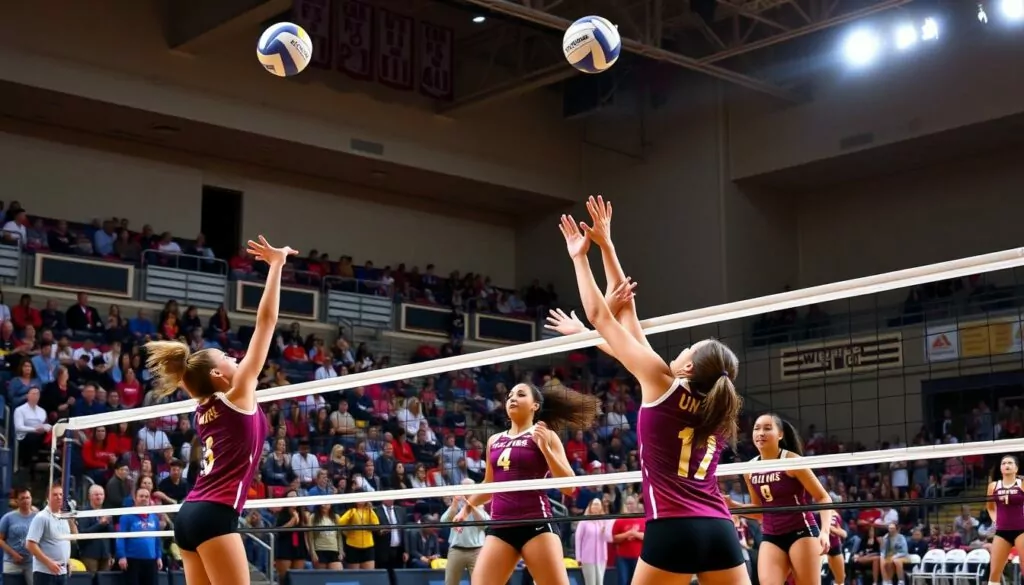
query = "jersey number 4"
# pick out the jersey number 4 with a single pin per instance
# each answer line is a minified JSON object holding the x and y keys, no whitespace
{"x":206,"y":463}
{"x":505,"y":459}
{"x":686,"y":435}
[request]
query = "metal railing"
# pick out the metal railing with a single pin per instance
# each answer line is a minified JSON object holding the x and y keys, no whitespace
{"x":189,"y":262}
{"x":356,"y":285}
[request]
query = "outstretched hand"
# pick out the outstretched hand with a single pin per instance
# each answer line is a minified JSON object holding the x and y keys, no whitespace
{"x":262,"y":250}
{"x":621,"y":296}
{"x":576,"y":242}
{"x":564,"y":324}
{"x":601,"y":216}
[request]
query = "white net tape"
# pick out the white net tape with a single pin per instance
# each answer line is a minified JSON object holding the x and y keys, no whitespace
{"x":738,"y":310}
{"x":819,"y":294}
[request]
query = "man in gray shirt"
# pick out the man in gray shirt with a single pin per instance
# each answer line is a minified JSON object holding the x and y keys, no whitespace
{"x":13,"y":530}
{"x":47,"y":541}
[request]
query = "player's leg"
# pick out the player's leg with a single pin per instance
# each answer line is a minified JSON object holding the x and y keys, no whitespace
{"x":543,"y":555}
{"x":496,"y":562}
{"x":772,"y":564}
{"x":195,"y":572}
{"x":225,"y":561}
{"x":805,"y":559}
{"x":838,"y":568}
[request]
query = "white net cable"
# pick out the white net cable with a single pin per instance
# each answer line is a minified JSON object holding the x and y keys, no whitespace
{"x":730,"y":469}
{"x":768,"y":304}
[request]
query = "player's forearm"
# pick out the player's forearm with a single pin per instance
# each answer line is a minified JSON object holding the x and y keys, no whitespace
{"x":478,"y":499}
{"x":613,"y":272}
{"x":267,"y":312}
{"x":594,"y":305}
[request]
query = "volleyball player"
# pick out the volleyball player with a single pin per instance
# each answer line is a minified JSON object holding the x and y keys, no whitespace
{"x":231,"y":429}
{"x":1006,"y":506}
{"x":792,"y":542}
{"x":687,"y":417}
{"x":530,"y":449}
{"x":836,"y":561}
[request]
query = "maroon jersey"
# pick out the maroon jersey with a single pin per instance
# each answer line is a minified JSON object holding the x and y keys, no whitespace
{"x":513,"y":458}
{"x":1009,"y":505}
{"x":678,"y":476}
{"x":776,"y":488}
{"x":232,"y":442}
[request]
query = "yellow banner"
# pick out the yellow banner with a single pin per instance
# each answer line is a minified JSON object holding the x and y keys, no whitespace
{"x":986,"y":339}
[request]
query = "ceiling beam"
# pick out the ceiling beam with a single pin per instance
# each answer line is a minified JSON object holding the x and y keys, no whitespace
{"x":804,"y":30}
{"x":646,"y":50}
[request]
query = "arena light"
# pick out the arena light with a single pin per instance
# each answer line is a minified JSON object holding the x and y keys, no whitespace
{"x":930,"y":29}
{"x":982,"y":15}
{"x":1012,"y":9}
{"x":906,"y":36}
{"x":861,"y":47}
{"x":479,"y":19}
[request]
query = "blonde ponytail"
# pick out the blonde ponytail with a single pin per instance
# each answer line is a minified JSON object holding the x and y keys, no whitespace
{"x":168,"y":362}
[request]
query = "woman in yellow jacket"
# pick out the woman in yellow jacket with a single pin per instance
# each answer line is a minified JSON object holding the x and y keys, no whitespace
{"x":359,"y":543}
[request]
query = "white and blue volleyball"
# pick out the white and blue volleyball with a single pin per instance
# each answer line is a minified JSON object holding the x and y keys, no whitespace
{"x":284,"y":49}
{"x":592,"y":44}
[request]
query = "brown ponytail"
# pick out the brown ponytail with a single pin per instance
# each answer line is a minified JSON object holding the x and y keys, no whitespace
{"x":715,"y":366}
{"x":561,"y":407}
{"x":173,"y":366}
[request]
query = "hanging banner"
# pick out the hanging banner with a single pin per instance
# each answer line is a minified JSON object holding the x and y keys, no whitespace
{"x":866,"y":354}
{"x":394,"y":51}
{"x":436,"y":61}
{"x":354,"y":34}
{"x":315,"y":17}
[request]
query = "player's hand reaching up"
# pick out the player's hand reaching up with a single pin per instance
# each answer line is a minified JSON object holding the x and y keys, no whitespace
{"x":601,"y":216}
{"x":576,"y":242}
{"x":564,"y":324}
{"x":262,"y":250}
{"x":621,"y":295}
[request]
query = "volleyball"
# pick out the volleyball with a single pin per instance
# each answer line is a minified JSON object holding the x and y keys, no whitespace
{"x":592,"y":44}
{"x":284,"y":49}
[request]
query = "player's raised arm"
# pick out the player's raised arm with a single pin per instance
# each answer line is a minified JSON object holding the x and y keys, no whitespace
{"x":600,"y":233}
{"x":244,"y":384}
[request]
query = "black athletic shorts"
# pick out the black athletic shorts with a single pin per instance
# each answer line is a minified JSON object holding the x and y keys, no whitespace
{"x":785,"y":541}
{"x":356,"y":556}
{"x":518,"y":536}
{"x":1009,"y":536}
{"x":835,"y":551}
{"x":691,"y":546}
{"x":198,"y":522}
{"x":327,"y":557}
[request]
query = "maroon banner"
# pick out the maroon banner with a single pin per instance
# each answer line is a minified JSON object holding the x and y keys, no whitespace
{"x":436,"y":61}
{"x":394,"y":49}
{"x":315,"y":17}
{"x":354,"y":32}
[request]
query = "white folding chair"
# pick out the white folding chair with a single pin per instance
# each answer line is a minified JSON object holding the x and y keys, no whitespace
{"x":955,"y":560}
{"x":974,"y":567}
{"x":930,"y":565}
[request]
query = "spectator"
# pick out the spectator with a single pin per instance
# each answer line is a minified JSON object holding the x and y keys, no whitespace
{"x":326,"y":544}
{"x":95,"y":554}
{"x":48,"y":542}
{"x":292,"y":548}
{"x":894,"y":553}
{"x":966,"y":525}
{"x":27,"y":379}
{"x":14,"y":528}
{"x":390,"y":551}
{"x":423,"y":545}
{"x":118,"y":487}
{"x":140,"y":558}
{"x":359,"y":543}
{"x":305,"y":465}
{"x":627,"y":535}
{"x":83,"y":318}
{"x":30,"y":430}
{"x":25,"y":314}
{"x":592,"y":538}
{"x":175,"y":486}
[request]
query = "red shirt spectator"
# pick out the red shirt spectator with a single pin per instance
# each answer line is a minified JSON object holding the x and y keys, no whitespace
{"x":130,"y":390}
{"x":25,"y":314}
{"x":100,"y":451}
{"x":628,"y":547}
{"x":403,"y":451}
{"x":295,"y":353}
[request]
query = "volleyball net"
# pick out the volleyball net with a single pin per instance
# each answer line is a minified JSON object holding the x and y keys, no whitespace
{"x":866,"y":369}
